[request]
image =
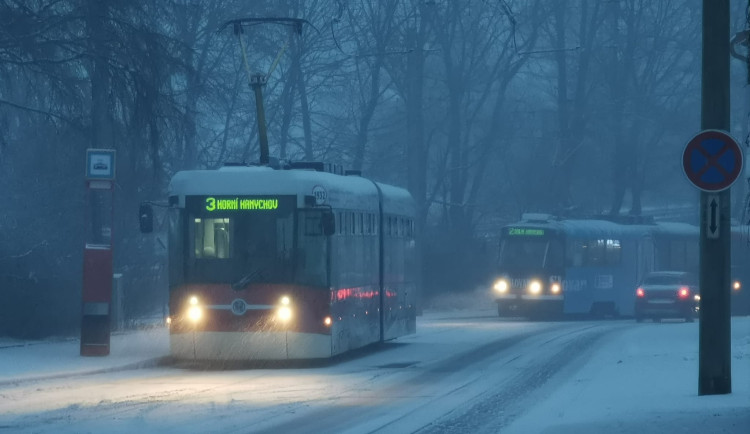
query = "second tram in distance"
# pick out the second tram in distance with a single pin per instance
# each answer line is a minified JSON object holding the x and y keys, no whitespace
{"x":287,"y":263}
{"x":549,"y":266}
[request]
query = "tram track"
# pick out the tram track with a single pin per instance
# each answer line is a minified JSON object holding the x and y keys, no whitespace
{"x":377,"y":391}
{"x":427,"y":386}
{"x":495,"y":410}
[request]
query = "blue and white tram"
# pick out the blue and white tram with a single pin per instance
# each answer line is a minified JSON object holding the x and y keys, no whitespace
{"x":289,"y":263}
{"x":551,"y":266}
{"x":592,"y":266}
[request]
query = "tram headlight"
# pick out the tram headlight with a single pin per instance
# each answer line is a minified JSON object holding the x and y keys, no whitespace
{"x":284,"y":301}
{"x":535,"y":287}
{"x":284,"y":313}
{"x":736,"y":285}
{"x":555,"y":288}
{"x":327,"y":321}
{"x":501,"y":286}
{"x":195,"y":313}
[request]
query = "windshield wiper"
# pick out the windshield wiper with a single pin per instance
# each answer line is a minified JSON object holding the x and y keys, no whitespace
{"x":246,"y":280}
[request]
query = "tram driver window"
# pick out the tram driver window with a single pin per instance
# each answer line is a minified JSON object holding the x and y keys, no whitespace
{"x":554,"y":257}
{"x":212,"y":238}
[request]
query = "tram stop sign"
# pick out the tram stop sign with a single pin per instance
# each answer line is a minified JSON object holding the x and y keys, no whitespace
{"x":712,"y":160}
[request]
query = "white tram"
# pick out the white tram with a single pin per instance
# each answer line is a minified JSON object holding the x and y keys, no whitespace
{"x":289,"y":263}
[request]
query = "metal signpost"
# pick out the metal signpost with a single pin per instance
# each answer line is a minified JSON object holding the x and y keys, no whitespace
{"x":712,"y":161}
{"x":96,"y":294}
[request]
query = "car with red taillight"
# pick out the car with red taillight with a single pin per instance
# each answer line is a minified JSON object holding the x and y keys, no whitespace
{"x":667,"y":294}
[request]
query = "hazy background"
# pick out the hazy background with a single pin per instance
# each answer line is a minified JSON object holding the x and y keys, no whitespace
{"x":482,"y":109}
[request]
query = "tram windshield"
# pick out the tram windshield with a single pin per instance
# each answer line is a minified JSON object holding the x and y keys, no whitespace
{"x":241,"y":243}
{"x":522,"y":252}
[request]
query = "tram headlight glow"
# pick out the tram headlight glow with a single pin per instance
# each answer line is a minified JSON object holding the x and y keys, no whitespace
{"x":501,"y":286}
{"x":327,"y":321}
{"x":284,"y":313}
{"x":195,"y":313}
{"x":736,"y":285}
{"x":193,"y":301}
{"x":535,"y":287}
{"x":555,"y":288}
{"x":284,"y":301}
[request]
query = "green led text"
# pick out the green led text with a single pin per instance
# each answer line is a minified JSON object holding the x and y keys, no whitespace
{"x":526,"y":232}
{"x":239,"y":204}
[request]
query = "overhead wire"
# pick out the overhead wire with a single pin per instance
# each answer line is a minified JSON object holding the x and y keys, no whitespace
{"x":338,"y":18}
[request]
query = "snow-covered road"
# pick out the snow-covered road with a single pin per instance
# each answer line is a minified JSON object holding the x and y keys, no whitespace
{"x":463,"y":372}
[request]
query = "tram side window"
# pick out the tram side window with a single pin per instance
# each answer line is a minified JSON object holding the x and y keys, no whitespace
{"x":313,"y":260}
{"x":212,"y":238}
{"x":613,"y":252}
{"x":594,"y":253}
{"x":683,"y":255}
{"x":344,"y":224}
{"x":576,"y":253}
{"x":313,"y":225}
{"x":597,"y":253}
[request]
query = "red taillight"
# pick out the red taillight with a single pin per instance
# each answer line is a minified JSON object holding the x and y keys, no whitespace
{"x":640,"y":293}
{"x":684,"y":292}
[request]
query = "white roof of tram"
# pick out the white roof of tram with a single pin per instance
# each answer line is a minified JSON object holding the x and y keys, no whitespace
{"x":604,"y":228}
{"x":344,"y":192}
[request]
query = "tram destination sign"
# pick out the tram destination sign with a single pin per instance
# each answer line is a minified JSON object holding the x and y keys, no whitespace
{"x":527,"y":232}
{"x":232,"y":204}
{"x":240,"y":204}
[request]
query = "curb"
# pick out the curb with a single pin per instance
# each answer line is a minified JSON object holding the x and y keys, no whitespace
{"x":144,"y":364}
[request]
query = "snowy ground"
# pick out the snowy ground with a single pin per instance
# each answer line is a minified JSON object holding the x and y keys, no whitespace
{"x":463,"y":372}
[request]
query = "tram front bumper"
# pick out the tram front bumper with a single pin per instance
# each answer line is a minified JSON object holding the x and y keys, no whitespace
{"x":523,"y":304}
{"x":280,"y":345}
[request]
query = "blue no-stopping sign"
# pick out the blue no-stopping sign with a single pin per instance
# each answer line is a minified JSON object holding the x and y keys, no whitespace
{"x":712,"y":160}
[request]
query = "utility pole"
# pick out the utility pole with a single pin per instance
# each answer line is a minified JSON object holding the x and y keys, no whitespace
{"x":714,"y":364}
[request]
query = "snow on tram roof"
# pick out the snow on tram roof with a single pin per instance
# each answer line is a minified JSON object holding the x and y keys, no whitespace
{"x":262,"y":180}
{"x":590,"y":227}
{"x":340,"y":191}
{"x":603,"y":228}
{"x":397,"y":200}
{"x":677,"y":228}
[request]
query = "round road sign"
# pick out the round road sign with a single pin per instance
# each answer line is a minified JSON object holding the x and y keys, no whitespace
{"x":712,"y":160}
